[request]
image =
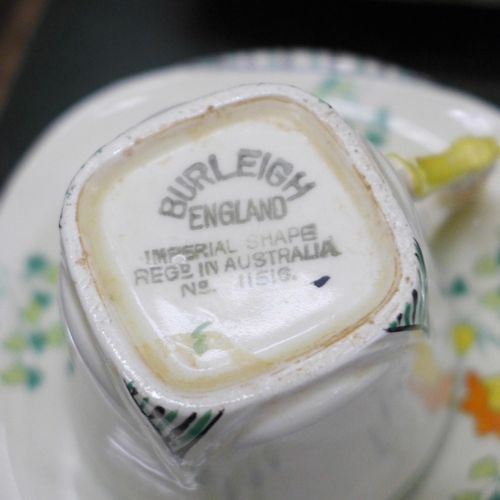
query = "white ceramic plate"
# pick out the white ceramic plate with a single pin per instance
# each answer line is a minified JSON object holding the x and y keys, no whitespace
{"x":398,"y":112}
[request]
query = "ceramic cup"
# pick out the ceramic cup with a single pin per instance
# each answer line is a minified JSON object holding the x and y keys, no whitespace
{"x":252,"y":307}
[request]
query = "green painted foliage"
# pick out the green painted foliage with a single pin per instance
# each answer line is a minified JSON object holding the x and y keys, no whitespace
{"x":19,"y":374}
{"x":486,"y":467}
{"x":458,"y":287}
{"x":37,"y":263}
{"x":15,"y":342}
{"x":490,"y":300}
{"x":34,"y":333}
{"x":200,"y":345}
{"x":486,"y":265}
{"x":468,"y":495}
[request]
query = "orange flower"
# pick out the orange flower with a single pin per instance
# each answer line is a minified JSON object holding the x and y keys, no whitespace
{"x":480,"y":401}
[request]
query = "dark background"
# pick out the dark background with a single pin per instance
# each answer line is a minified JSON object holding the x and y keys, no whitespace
{"x":77,"y":46}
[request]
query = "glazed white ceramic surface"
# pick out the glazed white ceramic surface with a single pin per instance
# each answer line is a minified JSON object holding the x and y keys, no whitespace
{"x":351,"y":402}
{"x":39,"y":457}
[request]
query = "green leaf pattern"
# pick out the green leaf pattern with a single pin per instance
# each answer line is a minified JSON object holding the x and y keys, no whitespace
{"x":485,"y":471}
{"x":415,"y":315}
{"x":374,"y":127}
{"x":179,"y":431}
{"x":37,"y":328}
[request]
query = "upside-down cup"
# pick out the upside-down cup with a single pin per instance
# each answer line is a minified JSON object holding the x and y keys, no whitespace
{"x":252,"y":307}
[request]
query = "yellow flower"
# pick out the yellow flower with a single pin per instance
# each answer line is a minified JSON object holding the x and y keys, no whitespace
{"x":493,"y":389}
{"x":463,"y":335}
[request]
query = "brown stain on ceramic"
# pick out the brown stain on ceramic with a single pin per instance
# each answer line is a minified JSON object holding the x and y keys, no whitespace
{"x":250,"y":366}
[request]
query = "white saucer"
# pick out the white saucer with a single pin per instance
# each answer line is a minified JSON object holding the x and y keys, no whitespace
{"x":398,"y":112}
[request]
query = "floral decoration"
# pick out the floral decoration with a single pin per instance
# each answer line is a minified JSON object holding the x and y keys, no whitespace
{"x":485,"y":471}
{"x":38,"y":327}
{"x":375,"y":128}
{"x":482,"y":401}
{"x":481,"y":396}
